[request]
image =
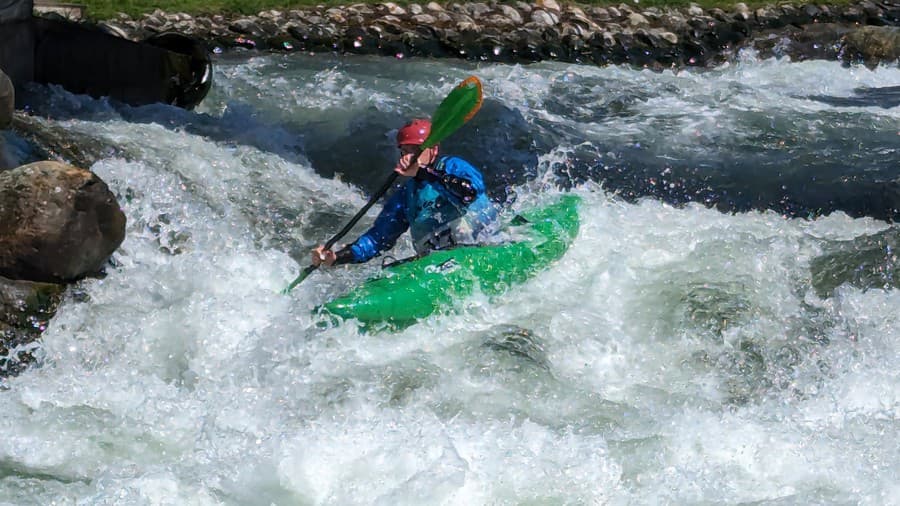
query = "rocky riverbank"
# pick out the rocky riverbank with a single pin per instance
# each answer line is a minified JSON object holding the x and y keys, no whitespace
{"x":865,"y":32}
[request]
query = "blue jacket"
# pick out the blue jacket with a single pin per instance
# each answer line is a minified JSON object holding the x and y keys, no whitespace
{"x":442,"y":208}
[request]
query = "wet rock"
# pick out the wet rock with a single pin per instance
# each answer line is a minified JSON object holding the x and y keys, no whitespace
{"x":246,"y":26}
{"x":518,"y":342}
{"x":49,"y":141}
{"x":394,"y":9}
{"x":802,"y":43}
{"x":477,"y":10}
{"x":872,"y":45}
{"x":549,"y":5}
{"x":28,"y":304}
{"x":543,"y":18}
{"x":511,"y":14}
{"x":424,"y":19}
{"x":25,"y":309}
{"x":741,"y":11}
{"x":636,"y":20}
{"x":58,"y":223}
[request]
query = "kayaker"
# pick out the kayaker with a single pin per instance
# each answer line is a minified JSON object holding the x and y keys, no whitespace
{"x":443,"y":204}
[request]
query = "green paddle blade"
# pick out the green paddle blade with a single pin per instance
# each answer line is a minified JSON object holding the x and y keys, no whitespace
{"x":460,"y":105}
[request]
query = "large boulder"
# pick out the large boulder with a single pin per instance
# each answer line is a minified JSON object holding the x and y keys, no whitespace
{"x":58,"y":223}
{"x":873,"y":45}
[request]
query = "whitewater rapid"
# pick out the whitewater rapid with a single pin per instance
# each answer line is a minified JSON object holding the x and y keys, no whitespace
{"x":675,"y":355}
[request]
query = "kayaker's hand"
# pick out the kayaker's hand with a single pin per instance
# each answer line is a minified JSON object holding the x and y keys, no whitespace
{"x":322,"y":256}
{"x":406,"y":166}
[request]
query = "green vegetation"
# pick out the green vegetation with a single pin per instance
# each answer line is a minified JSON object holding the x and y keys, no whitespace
{"x":105,"y":9}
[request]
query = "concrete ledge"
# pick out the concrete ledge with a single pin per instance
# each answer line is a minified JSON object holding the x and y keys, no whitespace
{"x":15,"y":10}
{"x":74,"y":12}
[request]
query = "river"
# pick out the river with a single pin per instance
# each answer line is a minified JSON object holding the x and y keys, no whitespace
{"x":724,"y":330}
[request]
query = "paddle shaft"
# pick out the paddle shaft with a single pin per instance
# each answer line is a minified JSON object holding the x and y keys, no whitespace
{"x":381,"y":191}
{"x":337,"y":237}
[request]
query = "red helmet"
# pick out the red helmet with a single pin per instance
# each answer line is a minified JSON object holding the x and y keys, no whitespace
{"x":415,"y":132}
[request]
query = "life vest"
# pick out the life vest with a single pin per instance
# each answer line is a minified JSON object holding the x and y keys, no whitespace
{"x":438,"y":219}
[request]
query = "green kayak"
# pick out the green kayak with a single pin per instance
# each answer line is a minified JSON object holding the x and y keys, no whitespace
{"x":406,"y":292}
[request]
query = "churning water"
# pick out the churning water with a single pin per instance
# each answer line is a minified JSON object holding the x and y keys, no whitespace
{"x":677,"y":354}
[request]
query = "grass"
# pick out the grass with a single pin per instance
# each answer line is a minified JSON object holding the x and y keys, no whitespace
{"x":106,"y":9}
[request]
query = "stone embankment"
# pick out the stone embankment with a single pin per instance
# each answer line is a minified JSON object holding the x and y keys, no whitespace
{"x":546,"y":30}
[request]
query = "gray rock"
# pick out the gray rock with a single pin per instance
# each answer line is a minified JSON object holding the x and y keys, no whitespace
{"x":519,"y":343}
{"x":26,"y":308}
{"x":674,"y":21}
{"x":336,"y":16}
{"x":870,"y":9}
{"x":362,"y":9}
{"x":544,"y":18}
{"x":444,"y":19}
{"x":468,"y":26}
{"x":499,"y":21}
{"x":665,"y":35}
{"x":462,"y":18}
{"x":511,"y":14}
{"x":424,"y":19}
{"x":548,"y":5}
{"x":873,"y":44}
{"x":246,"y":26}
{"x":477,"y":9}
{"x":273,"y":15}
{"x":635,"y":19}
{"x":600,"y":14}
{"x":22,"y":303}
{"x":394,"y":9}
{"x":574,"y":31}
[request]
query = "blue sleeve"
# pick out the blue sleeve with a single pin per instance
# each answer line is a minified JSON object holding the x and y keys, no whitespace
{"x":460,"y":168}
{"x":388,"y":227}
